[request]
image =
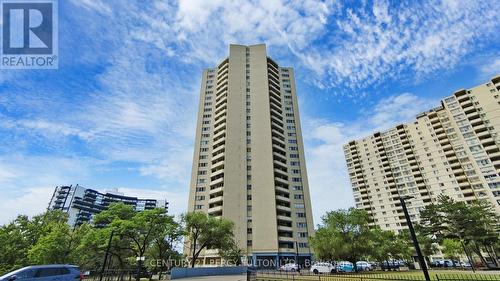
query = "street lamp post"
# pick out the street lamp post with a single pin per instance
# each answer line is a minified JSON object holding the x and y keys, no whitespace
{"x":421,"y":259}
{"x":107,"y":254}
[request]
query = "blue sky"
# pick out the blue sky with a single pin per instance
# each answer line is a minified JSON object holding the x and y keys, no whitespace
{"x":120,"y":110}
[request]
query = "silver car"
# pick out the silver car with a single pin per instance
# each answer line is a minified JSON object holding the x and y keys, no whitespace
{"x":56,"y":272}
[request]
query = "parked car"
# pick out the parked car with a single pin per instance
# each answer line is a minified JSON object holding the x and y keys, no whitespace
{"x":56,"y":272}
{"x":322,"y":267}
{"x":435,"y":263}
{"x":363,"y":266}
{"x":290,"y":267}
{"x":390,"y":265}
{"x":345,"y":266}
{"x":445,"y":263}
{"x":465,"y":264}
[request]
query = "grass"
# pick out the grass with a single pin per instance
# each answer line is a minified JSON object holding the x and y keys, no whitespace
{"x":441,"y":275}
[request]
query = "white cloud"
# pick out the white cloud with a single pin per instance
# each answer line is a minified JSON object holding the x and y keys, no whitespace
{"x":350,"y":47}
{"x":29,"y":201}
{"x":490,"y":68}
{"x":143,"y":105}
{"x":324,"y":140}
{"x":94,"y":5}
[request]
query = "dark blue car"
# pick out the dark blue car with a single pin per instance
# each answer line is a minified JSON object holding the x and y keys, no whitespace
{"x":55,"y":272}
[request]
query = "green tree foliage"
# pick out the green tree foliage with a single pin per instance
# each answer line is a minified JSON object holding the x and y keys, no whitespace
{"x":475,"y":224}
{"x":451,"y":248}
{"x":232,"y":254}
{"x":346,"y":235}
{"x":390,"y":246}
{"x":207,"y":232}
{"x":18,"y":237}
{"x":163,"y":249}
{"x":47,"y":238}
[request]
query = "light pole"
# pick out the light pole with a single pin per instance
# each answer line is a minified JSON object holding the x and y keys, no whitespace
{"x":107,"y":254}
{"x":296,"y":253}
{"x":421,"y":259}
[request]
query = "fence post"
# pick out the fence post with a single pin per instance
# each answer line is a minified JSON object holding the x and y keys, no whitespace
{"x":437,"y":277}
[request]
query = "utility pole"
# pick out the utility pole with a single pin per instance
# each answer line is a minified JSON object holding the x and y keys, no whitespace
{"x":296,"y":253}
{"x":106,"y":255}
{"x":421,"y":259}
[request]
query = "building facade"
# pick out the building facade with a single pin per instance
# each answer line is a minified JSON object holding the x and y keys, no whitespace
{"x":81,"y":204}
{"x":452,"y":149}
{"x":249,"y":164}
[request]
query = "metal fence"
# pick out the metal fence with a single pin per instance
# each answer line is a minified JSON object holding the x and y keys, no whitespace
{"x":112,"y":275}
{"x":409,"y":276}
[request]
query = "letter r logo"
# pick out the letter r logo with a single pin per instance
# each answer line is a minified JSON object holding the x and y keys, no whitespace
{"x":27,"y":27}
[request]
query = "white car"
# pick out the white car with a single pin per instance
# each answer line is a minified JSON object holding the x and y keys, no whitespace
{"x":290,"y":267}
{"x":323,"y":267}
{"x":363,"y":266}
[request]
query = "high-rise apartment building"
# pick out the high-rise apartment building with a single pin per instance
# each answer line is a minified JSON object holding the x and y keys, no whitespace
{"x":452,"y":149}
{"x":81,"y":204}
{"x":249,"y":164}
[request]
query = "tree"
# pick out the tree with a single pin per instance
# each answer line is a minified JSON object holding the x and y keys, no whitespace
{"x":475,"y":224}
{"x":345,"y":234}
{"x":207,"y":232}
{"x":163,"y":248}
{"x":52,"y":248}
{"x":232,"y":254}
{"x":451,"y":249}
{"x":327,"y":244}
{"x":19,"y":236}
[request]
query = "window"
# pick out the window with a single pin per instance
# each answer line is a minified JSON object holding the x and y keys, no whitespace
{"x":25,"y":274}
{"x":198,"y":207}
{"x":302,"y":234}
{"x":301,"y":215}
{"x":298,"y":196}
{"x":299,"y":206}
{"x":301,"y":225}
{"x":47,"y":272}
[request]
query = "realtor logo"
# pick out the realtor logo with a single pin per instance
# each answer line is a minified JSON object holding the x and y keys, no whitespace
{"x":29,"y":34}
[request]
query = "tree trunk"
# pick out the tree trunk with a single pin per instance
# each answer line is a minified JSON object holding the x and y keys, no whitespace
{"x":492,"y":255}
{"x":478,"y":252}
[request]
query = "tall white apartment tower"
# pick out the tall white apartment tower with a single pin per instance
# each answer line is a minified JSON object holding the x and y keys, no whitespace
{"x":249,"y":164}
{"x":453,"y":149}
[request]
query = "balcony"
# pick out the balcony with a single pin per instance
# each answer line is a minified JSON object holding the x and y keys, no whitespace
{"x":282,"y":190}
{"x":216,"y":190}
{"x":215,"y":210}
{"x":284,"y":218}
{"x":283,"y":208}
{"x":285,"y":239}
{"x":280,"y":180}
{"x":284,"y":228}
{"x":217,"y":181}
{"x":216,"y":199}
{"x":282,"y":198}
